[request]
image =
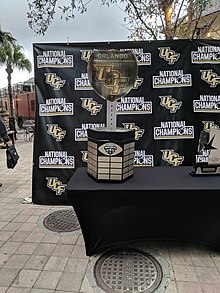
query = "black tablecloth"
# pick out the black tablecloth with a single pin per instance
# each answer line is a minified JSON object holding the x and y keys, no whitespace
{"x":156,"y":203}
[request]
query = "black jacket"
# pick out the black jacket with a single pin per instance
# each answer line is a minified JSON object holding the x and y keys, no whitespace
{"x":3,"y":131}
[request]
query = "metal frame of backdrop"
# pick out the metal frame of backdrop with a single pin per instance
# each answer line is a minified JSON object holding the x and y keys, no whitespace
{"x":175,"y":97}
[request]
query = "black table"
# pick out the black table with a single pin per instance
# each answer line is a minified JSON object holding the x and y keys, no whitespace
{"x":156,"y":203}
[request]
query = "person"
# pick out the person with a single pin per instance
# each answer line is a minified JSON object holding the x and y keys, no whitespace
{"x":4,"y":134}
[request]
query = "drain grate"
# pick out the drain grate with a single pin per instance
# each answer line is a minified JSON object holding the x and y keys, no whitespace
{"x":62,"y":221}
{"x":127,"y":270}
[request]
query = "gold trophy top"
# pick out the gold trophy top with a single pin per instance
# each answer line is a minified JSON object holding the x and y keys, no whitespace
{"x":112,"y":73}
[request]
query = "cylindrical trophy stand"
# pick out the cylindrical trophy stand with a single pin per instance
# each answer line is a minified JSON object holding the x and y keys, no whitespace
{"x":110,"y":154}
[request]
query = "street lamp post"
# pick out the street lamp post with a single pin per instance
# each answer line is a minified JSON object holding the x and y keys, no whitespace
{"x":9,"y":71}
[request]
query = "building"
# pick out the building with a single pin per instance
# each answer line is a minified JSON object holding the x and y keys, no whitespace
{"x":209,"y":24}
{"x":24,"y":100}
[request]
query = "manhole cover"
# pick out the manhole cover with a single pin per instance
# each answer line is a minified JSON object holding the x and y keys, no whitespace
{"x":62,"y":221}
{"x":127,"y":270}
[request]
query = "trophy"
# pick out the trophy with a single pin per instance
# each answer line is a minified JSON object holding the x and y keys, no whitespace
{"x":209,"y":149}
{"x":112,"y":74}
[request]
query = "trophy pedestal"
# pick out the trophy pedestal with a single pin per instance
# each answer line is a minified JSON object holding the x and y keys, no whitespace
{"x":110,"y":154}
{"x":205,"y":170}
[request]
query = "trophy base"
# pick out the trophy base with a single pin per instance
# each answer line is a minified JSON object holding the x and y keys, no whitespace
{"x":205,"y":170}
{"x":109,"y":180}
{"x":110,"y":154}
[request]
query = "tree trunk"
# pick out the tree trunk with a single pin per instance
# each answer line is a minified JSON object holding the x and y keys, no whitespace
{"x":190,"y":14}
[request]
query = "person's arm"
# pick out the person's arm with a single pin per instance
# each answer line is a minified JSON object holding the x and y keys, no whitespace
{"x":3,"y":132}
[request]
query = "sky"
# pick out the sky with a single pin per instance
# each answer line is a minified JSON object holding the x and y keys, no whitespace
{"x":99,"y":24}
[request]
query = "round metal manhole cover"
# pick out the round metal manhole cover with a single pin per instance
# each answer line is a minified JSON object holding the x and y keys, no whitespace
{"x":127,"y":270}
{"x":62,"y":221}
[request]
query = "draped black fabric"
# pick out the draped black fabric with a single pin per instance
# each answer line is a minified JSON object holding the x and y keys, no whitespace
{"x":175,"y":97}
{"x":158,"y":203}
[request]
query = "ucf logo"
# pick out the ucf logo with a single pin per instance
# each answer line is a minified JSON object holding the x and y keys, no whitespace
{"x":138,"y":132}
{"x":55,"y":81}
{"x":56,"y":185}
{"x":110,"y":78}
{"x":84,"y":156}
{"x":210,"y":77}
{"x":169,"y":55}
{"x":56,"y":132}
{"x":92,"y":106}
{"x":170,"y":103}
{"x":172,"y":158}
{"x":208,"y":125}
{"x":85,"y":55}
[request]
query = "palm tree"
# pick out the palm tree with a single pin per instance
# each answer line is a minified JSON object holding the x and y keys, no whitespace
{"x":12,"y":56}
{"x":6,"y":37}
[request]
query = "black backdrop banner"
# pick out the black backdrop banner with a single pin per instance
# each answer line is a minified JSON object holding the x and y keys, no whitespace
{"x":176,"y":95}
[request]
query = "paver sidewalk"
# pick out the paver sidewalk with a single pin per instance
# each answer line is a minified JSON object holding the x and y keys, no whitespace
{"x":36,"y":260}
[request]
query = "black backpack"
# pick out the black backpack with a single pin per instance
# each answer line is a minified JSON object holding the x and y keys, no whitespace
{"x":11,"y":157}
